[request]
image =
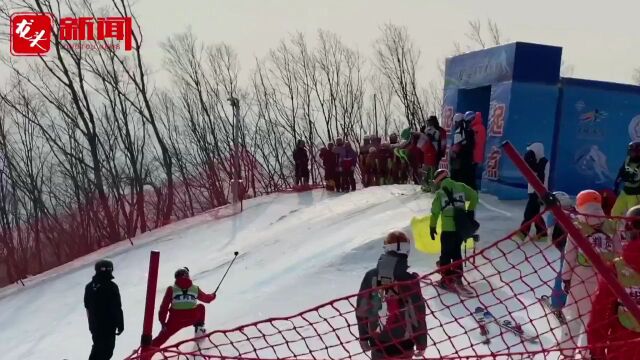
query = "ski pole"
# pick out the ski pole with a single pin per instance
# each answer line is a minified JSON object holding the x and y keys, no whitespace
{"x":465,"y":252}
{"x":235,"y":255}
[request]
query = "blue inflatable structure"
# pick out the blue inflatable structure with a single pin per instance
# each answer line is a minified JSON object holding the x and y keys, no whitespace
{"x":584,"y":125}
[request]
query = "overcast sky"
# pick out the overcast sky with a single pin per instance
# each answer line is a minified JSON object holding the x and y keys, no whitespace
{"x":601,"y":39}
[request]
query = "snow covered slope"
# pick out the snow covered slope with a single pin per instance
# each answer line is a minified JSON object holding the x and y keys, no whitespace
{"x":296,"y":251}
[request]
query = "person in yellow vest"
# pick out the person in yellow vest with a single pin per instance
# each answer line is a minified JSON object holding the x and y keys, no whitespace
{"x":180,"y":302}
{"x":614,"y":323}
{"x":578,"y":276}
{"x":629,"y":178}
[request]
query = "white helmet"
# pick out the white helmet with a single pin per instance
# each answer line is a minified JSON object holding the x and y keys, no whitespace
{"x":398,"y":242}
{"x":564,"y":199}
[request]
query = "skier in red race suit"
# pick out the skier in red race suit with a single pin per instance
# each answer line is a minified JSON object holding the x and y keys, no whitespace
{"x":181,"y":303}
{"x":614,"y":323}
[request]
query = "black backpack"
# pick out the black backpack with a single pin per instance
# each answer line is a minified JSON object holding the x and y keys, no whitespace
{"x":465,"y":225}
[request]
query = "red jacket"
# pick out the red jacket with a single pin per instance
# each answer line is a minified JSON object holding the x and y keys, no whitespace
{"x":183,"y":283}
{"x":604,"y":325}
{"x":480,"y":139}
{"x":430,"y":154}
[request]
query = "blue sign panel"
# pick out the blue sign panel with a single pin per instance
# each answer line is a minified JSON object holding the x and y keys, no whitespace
{"x":597,"y":124}
{"x":480,"y":68}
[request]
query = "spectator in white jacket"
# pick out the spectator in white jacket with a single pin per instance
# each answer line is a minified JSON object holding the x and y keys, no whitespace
{"x":534,"y":157}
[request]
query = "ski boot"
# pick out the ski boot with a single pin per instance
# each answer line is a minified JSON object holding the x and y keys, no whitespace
{"x":199,"y":330}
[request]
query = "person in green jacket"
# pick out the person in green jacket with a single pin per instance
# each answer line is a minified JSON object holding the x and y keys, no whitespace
{"x":449,"y":195}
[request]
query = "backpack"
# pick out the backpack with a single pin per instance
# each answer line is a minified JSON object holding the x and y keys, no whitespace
{"x":465,"y":226}
{"x":388,"y":308}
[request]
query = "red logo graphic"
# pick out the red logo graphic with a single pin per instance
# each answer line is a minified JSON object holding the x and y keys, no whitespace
{"x":493,"y":162}
{"x":84,"y":28}
{"x":447,"y":118}
{"x":497,"y":120}
{"x":30,"y":34}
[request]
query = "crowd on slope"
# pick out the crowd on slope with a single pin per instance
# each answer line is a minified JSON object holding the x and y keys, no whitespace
{"x":411,"y":157}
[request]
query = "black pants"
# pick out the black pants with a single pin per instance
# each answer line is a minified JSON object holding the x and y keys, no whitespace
{"x":302,"y":175}
{"x":103,"y":344}
{"x":348,"y":181}
{"x":451,"y":252}
{"x":465,"y":173}
{"x":530,"y":211}
{"x":472,"y":177}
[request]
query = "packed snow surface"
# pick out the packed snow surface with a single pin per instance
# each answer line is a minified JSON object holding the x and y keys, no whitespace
{"x":297,"y":250}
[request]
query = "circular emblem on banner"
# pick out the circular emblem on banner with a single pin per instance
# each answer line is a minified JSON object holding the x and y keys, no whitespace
{"x":634,"y":128}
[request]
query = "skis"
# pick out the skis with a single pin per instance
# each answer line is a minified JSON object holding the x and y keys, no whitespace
{"x":509,"y":326}
{"x":557,"y":313}
{"x":482,"y":324}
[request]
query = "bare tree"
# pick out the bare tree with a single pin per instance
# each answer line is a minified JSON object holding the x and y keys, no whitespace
{"x":397,"y":59}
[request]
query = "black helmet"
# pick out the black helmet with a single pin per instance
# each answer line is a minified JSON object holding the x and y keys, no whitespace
{"x":182,"y":272}
{"x":104,"y":265}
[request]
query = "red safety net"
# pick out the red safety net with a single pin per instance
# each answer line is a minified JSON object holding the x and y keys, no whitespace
{"x":508,"y":279}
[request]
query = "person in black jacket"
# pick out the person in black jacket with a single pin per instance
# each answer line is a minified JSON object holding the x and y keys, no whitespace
{"x":104,"y":311}
{"x":301,"y":160}
{"x":397,"y":330}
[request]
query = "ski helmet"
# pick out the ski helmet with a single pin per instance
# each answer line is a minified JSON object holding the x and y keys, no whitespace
{"x":589,"y":202}
{"x":104,"y":265}
{"x":564,"y":199}
{"x":632,"y":223}
{"x":440,"y":175}
{"x":469,"y":116}
{"x":633,"y":150}
{"x":372,"y":149}
{"x":457,"y":118}
{"x":182,"y":272}
{"x":398,"y":242}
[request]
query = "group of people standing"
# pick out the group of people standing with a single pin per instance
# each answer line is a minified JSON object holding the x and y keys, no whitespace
{"x":412,"y":157}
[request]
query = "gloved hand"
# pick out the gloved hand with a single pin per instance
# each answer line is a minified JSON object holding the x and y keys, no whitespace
{"x":365,"y":346}
{"x":567,"y":286}
{"x":433,"y":232}
{"x":119,"y":331}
